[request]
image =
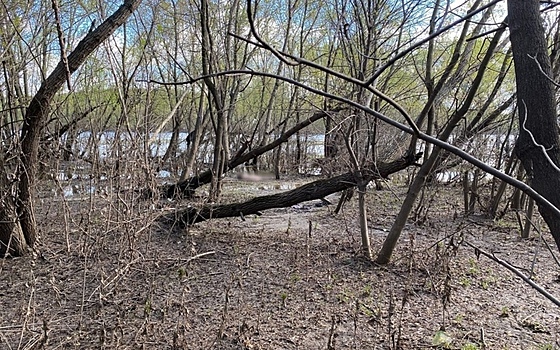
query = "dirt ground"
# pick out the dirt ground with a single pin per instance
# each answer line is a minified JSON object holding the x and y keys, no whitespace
{"x":108,"y":275}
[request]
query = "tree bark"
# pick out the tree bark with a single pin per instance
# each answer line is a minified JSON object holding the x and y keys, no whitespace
{"x":12,"y":241}
{"x":538,"y":145}
{"x":34,"y":121}
{"x":311,"y":191}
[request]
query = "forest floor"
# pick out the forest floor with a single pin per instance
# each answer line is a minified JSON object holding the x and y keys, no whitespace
{"x":108,"y":275}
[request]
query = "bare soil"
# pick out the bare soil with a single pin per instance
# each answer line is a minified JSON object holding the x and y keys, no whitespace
{"x":109,"y":275}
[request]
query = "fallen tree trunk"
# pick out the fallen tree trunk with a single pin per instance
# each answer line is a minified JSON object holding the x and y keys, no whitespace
{"x":311,"y":191}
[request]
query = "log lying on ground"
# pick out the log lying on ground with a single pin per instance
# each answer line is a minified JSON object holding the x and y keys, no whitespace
{"x":311,"y":191}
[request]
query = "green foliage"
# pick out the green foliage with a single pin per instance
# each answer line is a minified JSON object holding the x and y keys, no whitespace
{"x":487,"y":282}
{"x":442,"y":339}
{"x":284,"y":297}
{"x":147,"y":307}
{"x":505,"y":312}
{"x":465,"y":281}
{"x":473,"y":268}
{"x":470,"y":346}
{"x":459,"y":318}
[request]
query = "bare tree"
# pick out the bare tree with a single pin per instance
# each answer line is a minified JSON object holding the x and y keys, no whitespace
{"x":396,"y":230}
{"x":17,"y":219}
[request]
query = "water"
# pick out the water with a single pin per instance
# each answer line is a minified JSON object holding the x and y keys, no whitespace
{"x":105,"y":145}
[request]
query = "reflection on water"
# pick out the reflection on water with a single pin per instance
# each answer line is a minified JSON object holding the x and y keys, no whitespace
{"x":78,"y":190}
{"x":278,"y":186}
{"x":80,"y":184}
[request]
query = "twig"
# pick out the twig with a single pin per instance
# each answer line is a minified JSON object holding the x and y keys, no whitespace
{"x":331,"y":341}
{"x":534,"y":58}
{"x":425,"y":40}
{"x":487,"y":32}
{"x":483,"y":338}
{"x":61,"y":42}
{"x":544,"y":241}
{"x":221,"y":330}
{"x":543,"y":149}
{"x":187,"y":260}
{"x":251,"y":18}
{"x":28,"y":310}
{"x":508,"y":266}
{"x":307,"y":238}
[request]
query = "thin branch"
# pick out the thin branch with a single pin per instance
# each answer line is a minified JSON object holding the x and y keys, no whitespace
{"x":344,"y":77}
{"x":543,"y":149}
{"x":425,"y":40}
{"x":534,"y":58}
{"x":503,"y":25}
{"x":510,"y":267}
{"x":251,"y":18}
{"x":61,"y":42}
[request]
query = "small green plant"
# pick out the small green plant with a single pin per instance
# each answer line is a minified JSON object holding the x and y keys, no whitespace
{"x":295,"y":277}
{"x":441,"y":339}
{"x":546,"y":346}
{"x":473,"y":267}
{"x":342,"y":298}
{"x":465,"y":281}
{"x":368,"y":311}
{"x":147,"y":307}
{"x":367,"y":290}
{"x":182,"y":272}
{"x":459,"y":318}
{"x":487,"y":282}
{"x":505,"y":312}
{"x":284,"y":297}
{"x":334,"y":277}
{"x":470,"y":346}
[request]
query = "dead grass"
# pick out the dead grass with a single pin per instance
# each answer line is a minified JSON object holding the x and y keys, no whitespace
{"x":107,"y":276}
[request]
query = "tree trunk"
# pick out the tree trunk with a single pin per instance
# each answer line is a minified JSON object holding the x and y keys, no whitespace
{"x":311,"y":191}
{"x":538,"y":145}
{"x":34,"y":121}
{"x":362,"y":218}
{"x":202,"y":119}
{"x":12,"y":240}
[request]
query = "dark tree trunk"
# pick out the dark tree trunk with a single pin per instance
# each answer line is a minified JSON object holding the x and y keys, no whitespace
{"x":34,"y":121}
{"x":12,"y":240}
{"x":538,"y":145}
{"x":311,"y":191}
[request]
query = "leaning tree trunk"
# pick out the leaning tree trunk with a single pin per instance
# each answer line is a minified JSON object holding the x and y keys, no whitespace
{"x":34,"y":121}
{"x":538,"y":145}
{"x":390,"y":242}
